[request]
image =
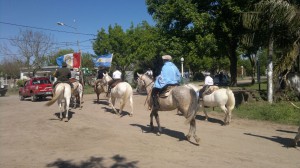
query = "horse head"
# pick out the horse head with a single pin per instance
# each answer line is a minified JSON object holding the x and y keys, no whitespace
{"x":144,"y":80}
{"x":106,"y":78}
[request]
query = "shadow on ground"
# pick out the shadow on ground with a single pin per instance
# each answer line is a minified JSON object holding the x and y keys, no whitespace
{"x":118,"y":160}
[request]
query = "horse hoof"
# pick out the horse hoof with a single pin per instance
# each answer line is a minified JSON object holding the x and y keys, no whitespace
{"x":158,"y":134}
{"x":130,"y":115}
{"x":197,"y":140}
{"x":188,"y":137}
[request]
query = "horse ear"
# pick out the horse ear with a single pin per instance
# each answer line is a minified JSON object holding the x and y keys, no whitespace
{"x":138,"y":74}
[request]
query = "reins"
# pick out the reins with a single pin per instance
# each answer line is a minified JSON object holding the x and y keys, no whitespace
{"x":149,"y":90}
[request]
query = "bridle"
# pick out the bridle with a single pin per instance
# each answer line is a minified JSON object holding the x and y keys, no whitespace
{"x":144,"y":81}
{"x":140,"y":78}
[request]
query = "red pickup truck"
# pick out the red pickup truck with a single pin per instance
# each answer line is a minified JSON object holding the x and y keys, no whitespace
{"x":36,"y":88}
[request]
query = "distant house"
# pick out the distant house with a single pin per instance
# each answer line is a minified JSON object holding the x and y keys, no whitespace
{"x":43,"y":71}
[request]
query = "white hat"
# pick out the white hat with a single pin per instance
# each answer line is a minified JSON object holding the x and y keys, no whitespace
{"x":167,"y":57}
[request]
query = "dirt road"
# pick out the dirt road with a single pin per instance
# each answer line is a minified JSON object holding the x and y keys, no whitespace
{"x":32,"y":136}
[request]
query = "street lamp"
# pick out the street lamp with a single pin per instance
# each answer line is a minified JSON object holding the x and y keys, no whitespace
{"x":63,"y":24}
{"x":181,"y":59}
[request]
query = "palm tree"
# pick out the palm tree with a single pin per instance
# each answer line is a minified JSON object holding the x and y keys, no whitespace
{"x":272,"y":17}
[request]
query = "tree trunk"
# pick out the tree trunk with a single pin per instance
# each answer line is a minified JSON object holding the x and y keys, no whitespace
{"x":270,"y":70}
{"x":233,"y":63}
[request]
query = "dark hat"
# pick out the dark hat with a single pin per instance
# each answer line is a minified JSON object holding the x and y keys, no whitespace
{"x":64,"y":64}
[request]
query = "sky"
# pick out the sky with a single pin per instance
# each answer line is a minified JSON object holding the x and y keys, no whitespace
{"x":85,"y":17}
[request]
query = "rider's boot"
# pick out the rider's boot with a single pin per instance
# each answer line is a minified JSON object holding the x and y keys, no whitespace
{"x":154,"y":96}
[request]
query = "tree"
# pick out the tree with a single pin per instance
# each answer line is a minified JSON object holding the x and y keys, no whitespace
{"x":132,"y":49}
{"x":209,"y":28}
{"x":281,"y":18}
{"x":32,"y":48}
{"x":10,"y":67}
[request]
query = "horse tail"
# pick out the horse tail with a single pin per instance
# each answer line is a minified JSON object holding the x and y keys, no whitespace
{"x":56,"y":95}
{"x":231,"y":99}
{"x":193,"y":108}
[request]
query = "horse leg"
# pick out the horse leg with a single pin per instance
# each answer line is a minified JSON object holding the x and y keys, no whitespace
{"x":158,"y":123}
{"x":226,"y":114}
{"x":80,"y":101}
{"x":97,"y":97}
{"x":151,"y":121}
{"x":67,"y":103}
{"x":74,"y":101}
{"x":229,"y":115}
{"x":112,"y":104}
{"x":131,"y":105}
{"x":60,"y":110}
{"x":192,"y":131}
{"x":206,"y":116}
{"x":122,"y":104}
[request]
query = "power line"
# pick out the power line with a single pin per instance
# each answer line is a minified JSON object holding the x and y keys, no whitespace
{"x":13,"y":24}
{"x":55,"y":43}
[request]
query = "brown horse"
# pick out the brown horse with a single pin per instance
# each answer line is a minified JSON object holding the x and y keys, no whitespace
{"x":181,"y":97}
{"x":99,"y":88}
{"x":77,"y":95}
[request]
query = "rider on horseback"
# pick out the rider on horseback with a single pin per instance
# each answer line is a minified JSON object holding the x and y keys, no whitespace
{"x":169,"y":75}
{"x":63,"y":75}
{"x":208,"y":81}
{"x":117,"y":78}
{"x":101,"y":71}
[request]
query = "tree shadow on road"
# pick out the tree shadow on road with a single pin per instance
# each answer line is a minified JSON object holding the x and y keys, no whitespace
{"x":286,"y":142}
{"x":119,"y":161}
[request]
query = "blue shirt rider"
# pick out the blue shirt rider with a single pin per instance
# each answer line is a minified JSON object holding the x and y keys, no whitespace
{"x":169,"y":75}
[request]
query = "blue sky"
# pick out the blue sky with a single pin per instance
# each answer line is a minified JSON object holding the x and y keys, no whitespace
{"x":89,"y":15}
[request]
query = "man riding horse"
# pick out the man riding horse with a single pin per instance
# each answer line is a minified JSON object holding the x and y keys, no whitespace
{"x":63,"y":75}
{"x":117,"y":78}
{"x":169,"y":76}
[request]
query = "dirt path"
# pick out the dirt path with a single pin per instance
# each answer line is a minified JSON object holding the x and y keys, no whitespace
{"x":32,"y":136}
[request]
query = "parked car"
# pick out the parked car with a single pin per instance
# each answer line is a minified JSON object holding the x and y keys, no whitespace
{"x":36,"y":88}
{"x":225,"y":80}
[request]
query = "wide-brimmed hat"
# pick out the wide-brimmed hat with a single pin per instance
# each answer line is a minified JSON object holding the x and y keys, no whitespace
{"x":167,"y":57}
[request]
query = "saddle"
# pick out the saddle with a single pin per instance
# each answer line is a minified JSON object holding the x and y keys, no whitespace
{"x":58,"y":82}
{"x":166,"y":91}
{"x":115,"y":83}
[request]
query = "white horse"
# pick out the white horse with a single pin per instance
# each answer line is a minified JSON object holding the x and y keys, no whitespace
{"x":122,"y":91}
{"x":77,"y":95}
{"x":223,"y":98}
{"x":62,"y":96}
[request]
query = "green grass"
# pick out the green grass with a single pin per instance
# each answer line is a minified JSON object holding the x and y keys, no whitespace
{"x":281,"y":112}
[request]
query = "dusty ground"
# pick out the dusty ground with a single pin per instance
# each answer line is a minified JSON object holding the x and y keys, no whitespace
{"x":32,"y":136}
